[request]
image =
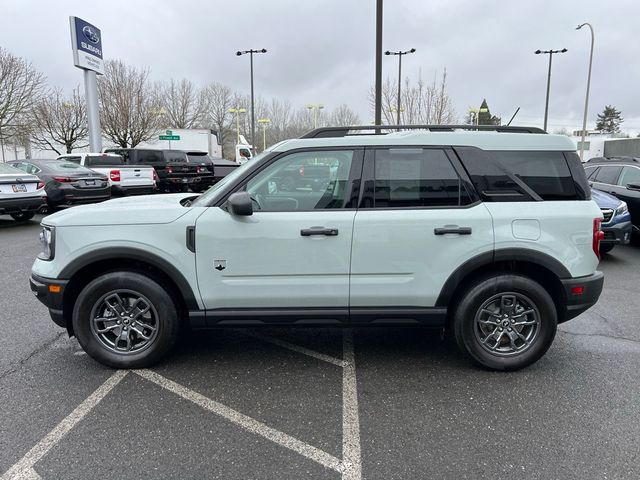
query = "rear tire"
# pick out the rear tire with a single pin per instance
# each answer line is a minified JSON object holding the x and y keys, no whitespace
{"x":505,"y":321}
{"x":22,"y":216}
{"x":126,"y":320}
{"x":606,"y":248}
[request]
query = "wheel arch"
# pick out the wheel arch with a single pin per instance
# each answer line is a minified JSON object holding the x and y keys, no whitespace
{"x":84,"y":269}
{"x":542,"y":268}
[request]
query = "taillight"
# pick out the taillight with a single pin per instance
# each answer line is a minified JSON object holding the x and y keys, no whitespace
{"x":169,"y":169}
{"x":155,"y":176}
{"x":302,"y":171}
{"x":40,"y":185}
{"x":200,"y":169}
{"x":114,"y":175}
{"x":598,"y":235}
{"x":63,"y":179}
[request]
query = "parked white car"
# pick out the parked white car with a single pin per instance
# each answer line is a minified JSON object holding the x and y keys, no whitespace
{"x":124,"y":179}
{"x":21,"y":194}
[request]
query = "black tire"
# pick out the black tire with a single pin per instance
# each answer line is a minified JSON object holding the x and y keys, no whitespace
{"x":479,"y":296}
{"x":606,"y":248}
{"x":163,"y":314}
{"x":22,"y":216}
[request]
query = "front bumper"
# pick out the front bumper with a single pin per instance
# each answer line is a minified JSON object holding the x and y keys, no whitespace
{"x":50,"y":292}
{"x":617,"y":234}
{"x":582,"y":293}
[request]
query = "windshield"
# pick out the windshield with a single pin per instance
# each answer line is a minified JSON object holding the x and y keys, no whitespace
{"x":206,"y":198}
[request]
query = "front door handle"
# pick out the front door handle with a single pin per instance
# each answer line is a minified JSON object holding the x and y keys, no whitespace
{"x":455,"y":229}
{"x":329,"y":232}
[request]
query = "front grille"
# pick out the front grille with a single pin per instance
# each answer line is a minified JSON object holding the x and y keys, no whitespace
{"x":608,"y":213}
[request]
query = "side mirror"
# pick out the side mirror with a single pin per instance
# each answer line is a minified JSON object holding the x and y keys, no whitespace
{"x":633,"y":186}
{"x":239,"y":203}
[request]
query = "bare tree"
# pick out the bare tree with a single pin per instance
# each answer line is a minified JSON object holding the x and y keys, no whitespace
{"x":20,"y":86}
{"x":218,"y":99}
{"x":60,"y":121}
{"x":182,"y":103}
{"x":343,"y":116}
{"x":130,"y":111}
{"x":419,"y":103}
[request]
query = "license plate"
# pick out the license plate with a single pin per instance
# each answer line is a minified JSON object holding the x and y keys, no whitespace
{"x":19,"y":187}
{"x":90,"y":182}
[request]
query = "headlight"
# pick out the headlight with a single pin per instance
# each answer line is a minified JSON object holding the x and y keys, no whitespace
{"x":622,"y":209}
{"x":47,"y":241}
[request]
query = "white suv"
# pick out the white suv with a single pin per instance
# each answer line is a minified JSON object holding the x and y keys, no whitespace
{"x":490,"y":235}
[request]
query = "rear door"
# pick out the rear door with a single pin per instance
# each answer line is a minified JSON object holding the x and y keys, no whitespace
{"x":417,"y":222}
{"x":606,"y":178}
{"x":627,"y":190}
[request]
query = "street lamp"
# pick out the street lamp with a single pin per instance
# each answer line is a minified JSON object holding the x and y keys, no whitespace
{"x":264,"y":122}
{"x":586,"y":98}
{"x":399,"y":54}
{"x":550,"y":53}
{"x":478,"y":111}
{"x":253,"y":116}
{"x":315,"y":107}
{"x":237,"y":111}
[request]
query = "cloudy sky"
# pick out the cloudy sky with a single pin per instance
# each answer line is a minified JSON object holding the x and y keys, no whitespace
{"x":322,"y":51}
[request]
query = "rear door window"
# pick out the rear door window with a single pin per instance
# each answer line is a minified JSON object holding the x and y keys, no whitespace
{"x":590,"y":171}
{"x":148,"y":156}
{"x":608,"y":174}
{"x":416,"y":177}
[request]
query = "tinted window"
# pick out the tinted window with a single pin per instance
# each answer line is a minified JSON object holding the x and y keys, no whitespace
{"x":546,"y":173}
{"x":147,"y":156}
{"x":608,"y":174}
{"x":589,"y":171}
{"x":171,"y":156}
{"x":416,"y":177}
{"x":103,"y":160}
{"x":303,"y":181}
{"x":629,"y":175}
{"x":71,"y":159}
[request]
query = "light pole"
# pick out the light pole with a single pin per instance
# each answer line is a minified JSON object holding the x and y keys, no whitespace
{"x":264,"y":122}
{"x":399,"y":53}
{"x":237,"y":111}
{"x":586,"y":98}
{"x":253,"y":116}
{"x":546,"y":105}
{"x":315,"y":107}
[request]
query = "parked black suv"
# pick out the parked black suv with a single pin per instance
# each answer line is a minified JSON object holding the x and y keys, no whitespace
{"x":217,"y":168}
{"x":175,"y":173}
{"x":620,"y":177}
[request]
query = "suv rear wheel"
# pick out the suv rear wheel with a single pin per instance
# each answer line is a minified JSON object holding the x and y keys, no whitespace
{"x":125,"y":320}
{"x":505,"y":322}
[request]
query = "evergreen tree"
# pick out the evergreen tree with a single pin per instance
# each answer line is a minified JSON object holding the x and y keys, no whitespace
{"x":609,"y":120}
{"x":484,"y":116}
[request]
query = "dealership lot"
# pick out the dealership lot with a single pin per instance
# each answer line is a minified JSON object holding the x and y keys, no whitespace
{"x":295,"y":403}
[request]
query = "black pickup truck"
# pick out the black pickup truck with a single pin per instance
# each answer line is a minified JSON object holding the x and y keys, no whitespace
{"x":175,"y":172}
{"x":217,"y":168}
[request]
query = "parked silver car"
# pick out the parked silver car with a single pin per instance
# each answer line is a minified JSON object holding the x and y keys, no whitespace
{"x":21,"y":194}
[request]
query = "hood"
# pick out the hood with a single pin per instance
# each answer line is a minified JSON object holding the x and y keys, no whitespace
{"x":145,"y":209}
{"x":604,"y":200}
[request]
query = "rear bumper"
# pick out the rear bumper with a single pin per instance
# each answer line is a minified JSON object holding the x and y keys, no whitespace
{"x":52,"y":300}
{"x":582,"y":293}
{"x":118,"y":190}
{"x":29,"y":204}
{"x":618,"y":234}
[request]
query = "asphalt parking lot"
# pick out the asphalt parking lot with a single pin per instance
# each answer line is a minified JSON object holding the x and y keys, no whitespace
{"x":318,"y":404}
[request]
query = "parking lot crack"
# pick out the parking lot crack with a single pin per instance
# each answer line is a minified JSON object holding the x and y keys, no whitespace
{"x":601,"y":335}
{"x":16,"y":366}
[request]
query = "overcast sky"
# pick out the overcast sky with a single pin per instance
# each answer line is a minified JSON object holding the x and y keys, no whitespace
{"x":323,"y":51}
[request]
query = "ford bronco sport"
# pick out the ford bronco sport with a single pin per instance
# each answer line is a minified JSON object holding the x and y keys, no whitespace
{"x":490,"y":235}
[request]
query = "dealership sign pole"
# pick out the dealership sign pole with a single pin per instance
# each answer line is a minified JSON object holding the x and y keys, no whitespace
{"x":86,"y":42}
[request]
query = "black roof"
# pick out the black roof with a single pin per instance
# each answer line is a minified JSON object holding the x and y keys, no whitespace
{"x":621,"y":159}
{"x":325,"y":132}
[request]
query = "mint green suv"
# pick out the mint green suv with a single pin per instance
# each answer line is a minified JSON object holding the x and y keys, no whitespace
{"x":488,"y":235}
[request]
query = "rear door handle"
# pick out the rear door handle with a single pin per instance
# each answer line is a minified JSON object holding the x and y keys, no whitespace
{"x":457,"y":230}
{"x":329,"y":232}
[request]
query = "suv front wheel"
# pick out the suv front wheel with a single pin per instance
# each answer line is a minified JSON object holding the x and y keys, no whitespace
{"x":505,"y":321}
{"x":125,"y":320}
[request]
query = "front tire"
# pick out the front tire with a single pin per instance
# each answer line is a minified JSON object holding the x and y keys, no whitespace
{"x":606,"y":248}
{"x":22,"y":216}
{"x":126,"y":320}
{"x":505,"y":321}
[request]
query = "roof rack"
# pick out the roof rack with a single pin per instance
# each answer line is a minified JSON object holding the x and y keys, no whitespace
{"x":619,"y":158}
{"x":325,"y":132}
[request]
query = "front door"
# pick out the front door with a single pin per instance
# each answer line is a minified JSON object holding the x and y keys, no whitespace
{"x":289,"y":261}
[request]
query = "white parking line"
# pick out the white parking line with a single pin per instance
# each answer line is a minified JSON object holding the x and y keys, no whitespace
{"x":23,"y":469}
{"x":297,"y":348}
{"x":351,"y":455}
{"x":246,"y":422}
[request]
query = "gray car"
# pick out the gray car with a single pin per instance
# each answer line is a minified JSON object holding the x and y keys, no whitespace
{"x":21,"y":195}
{"x":67,"y":183}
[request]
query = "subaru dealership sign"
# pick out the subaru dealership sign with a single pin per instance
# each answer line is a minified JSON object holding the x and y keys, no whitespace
{"x":86,"y":42}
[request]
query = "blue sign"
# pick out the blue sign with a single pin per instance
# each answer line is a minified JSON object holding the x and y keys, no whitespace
{"x":86,"y":41}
